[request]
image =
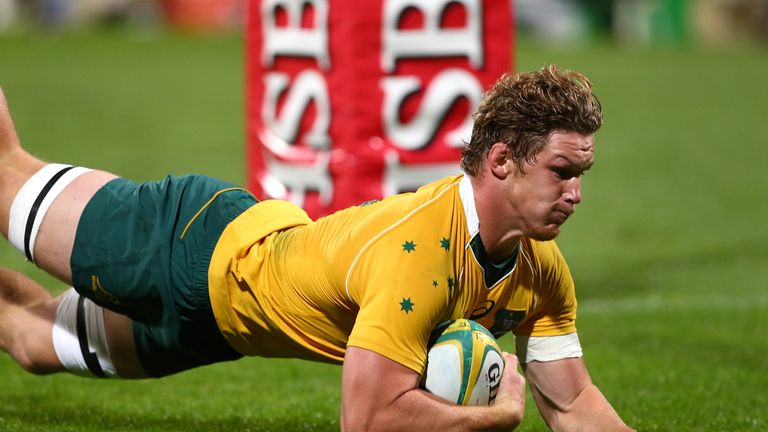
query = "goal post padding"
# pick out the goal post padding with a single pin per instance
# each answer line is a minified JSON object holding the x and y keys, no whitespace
{"x":351,"y":100}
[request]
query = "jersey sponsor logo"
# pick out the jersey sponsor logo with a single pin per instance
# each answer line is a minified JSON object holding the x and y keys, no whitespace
{"x":506,"y":320}
{"x":482,"y":310}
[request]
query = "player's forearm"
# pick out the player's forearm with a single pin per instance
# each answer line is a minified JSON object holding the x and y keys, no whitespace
{"x":418,"y":410}
{"x":590,"y":411}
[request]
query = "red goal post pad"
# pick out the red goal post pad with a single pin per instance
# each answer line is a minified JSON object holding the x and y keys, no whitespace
{"x":351,"y":100}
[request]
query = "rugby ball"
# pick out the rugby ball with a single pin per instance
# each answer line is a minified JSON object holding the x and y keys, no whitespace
{"x":464,"y":365}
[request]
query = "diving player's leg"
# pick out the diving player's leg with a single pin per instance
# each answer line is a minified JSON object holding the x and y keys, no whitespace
{"x":41,"y":203}
{"x":67,"y":333}
{"x":40,"y":207}
{"x":120,"y":244}
{"x":16,"y":165}
{"x":55,"y":237}
{"x":26,"y":316}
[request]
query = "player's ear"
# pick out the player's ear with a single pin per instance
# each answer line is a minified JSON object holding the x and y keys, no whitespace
{"x":499,"y":160}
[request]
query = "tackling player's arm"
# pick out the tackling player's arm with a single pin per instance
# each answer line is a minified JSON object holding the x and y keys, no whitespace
{"x":381,"y":394}
{"x":567,"y":399}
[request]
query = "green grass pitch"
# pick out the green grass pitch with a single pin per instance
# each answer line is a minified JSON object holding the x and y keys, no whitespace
{"x":668,"y":249}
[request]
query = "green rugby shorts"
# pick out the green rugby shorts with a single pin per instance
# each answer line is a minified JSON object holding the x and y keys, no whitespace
{"x":143,"y":250}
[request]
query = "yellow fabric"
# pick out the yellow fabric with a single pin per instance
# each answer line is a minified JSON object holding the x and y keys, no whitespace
{"x":378,"y":276}
{"x":542,"y":287}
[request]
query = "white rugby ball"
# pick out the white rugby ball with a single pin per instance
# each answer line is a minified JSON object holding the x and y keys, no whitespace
{"x":464,"y":365}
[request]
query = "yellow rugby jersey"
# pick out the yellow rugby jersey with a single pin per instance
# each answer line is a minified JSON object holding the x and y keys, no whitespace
{"x":379,"y":276}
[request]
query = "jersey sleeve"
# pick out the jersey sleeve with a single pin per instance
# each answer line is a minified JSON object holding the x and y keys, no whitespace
{"x":401,"y":286}
{"x":554,"y":295}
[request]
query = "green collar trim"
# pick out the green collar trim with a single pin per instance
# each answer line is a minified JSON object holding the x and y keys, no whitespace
{"x":492,"y":272}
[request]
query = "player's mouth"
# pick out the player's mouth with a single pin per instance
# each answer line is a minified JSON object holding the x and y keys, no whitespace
{"x":560,"y":215}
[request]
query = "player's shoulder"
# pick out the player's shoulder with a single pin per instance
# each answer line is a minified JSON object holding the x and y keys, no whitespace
{"x":545,"y":256}
{"x":438,"y":186}
{"x":420,"y":224}
{"x":429,"y":194}
{"x":432,"y":202}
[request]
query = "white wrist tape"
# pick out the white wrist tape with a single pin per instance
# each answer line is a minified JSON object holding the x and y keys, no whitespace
{"x":33,"y":201}
{"x":79,"y":337}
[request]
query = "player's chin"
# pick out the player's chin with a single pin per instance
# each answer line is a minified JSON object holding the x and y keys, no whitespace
{"x":546,"y":232}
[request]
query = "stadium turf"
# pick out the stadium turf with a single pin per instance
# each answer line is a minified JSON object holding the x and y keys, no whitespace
{"x":668,"y":249}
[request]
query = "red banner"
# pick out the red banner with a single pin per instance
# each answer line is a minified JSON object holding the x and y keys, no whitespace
{"x":351,"y":100}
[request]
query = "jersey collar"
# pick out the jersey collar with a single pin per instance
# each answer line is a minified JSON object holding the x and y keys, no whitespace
{"x":468,"y":201}
{"x":493,"y":273}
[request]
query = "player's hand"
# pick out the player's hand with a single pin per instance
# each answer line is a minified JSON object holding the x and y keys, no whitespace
{"x":510,"y":399}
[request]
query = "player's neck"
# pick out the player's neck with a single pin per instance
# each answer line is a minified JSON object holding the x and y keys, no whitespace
{"x":498,"y":239}
{"x":499,"y":248}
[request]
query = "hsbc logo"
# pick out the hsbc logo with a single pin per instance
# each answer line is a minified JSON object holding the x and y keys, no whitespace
{"x":350,"y":101}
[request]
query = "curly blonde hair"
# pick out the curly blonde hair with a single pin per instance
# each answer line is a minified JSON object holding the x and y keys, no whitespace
{"x":523,"y":109}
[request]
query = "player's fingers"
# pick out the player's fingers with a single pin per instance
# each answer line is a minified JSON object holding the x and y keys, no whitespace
{"x":509,"y":359}
{"x":511,"y":372}
{"x":512,"y":388}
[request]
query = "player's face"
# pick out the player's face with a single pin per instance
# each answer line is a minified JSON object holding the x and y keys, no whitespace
{"x":547,"y":190}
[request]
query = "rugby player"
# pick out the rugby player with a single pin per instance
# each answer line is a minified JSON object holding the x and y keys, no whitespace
{"x":190,"y":270}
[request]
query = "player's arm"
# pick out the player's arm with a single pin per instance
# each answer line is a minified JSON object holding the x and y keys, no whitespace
{"x":551,"y":354}
{"x":380,"y":394}
{"x":568,"y":400}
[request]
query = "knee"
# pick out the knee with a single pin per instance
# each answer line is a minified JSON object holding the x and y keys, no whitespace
{"x":35,"y":356}
{"x":26,"y":334}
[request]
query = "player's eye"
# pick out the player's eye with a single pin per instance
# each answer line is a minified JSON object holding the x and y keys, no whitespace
{"x":563,"y":173}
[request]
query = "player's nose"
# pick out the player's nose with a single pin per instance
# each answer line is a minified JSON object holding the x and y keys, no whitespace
{"x":572,"y":194}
